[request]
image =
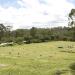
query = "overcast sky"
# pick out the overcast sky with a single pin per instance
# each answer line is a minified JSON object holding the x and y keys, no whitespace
{"x":37,"y":13}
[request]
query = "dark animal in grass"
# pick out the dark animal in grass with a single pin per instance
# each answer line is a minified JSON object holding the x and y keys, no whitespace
{"x":60,"y":47}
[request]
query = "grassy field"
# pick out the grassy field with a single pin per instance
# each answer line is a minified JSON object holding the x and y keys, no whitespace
{"x":37,"y":59}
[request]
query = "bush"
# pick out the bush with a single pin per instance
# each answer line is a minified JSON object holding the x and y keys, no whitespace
{"x":5,"y":39}
{"x":72,"y":67}
{"x":36,"y":41}
{"x":28,"y":42}
{"x":28,"y":39}
{"x":19,"y":40}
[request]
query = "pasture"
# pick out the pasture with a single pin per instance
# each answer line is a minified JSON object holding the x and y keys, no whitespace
{"x":37,"y":58}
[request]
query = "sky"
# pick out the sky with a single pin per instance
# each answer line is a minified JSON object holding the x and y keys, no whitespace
{"x":35,"y":13}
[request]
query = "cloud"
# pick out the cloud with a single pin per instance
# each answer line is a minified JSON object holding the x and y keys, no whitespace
{"x":38,"y":13}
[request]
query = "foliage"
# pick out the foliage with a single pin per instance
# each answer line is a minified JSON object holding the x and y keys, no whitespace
{"x":39,"y":35}
{"x":72,"y":66}
{"x":2,"y":30}
{"x":19,"y":40}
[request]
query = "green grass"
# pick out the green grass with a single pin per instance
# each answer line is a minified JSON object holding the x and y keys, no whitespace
{"x":36,"y":59}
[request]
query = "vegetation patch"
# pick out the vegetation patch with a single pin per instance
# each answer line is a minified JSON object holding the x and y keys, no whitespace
{"x":36,"y":59}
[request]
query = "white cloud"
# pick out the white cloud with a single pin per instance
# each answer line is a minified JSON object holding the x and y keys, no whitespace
{"x":33,"y":12}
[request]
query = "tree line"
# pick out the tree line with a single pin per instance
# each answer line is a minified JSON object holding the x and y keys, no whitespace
{"x":36,"y":35}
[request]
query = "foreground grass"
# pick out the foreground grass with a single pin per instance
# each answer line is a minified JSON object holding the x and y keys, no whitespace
{"x":37,"y":59}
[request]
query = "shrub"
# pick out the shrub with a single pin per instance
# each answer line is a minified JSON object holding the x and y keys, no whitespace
{"x":5,"y":39}
{"x":72,"y":67}
{"x":28,"y":42}
{"x":19,"y":40}
{"x":36,"y":41}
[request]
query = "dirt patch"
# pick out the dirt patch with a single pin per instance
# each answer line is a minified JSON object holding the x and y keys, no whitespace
{"x":3,"y":65}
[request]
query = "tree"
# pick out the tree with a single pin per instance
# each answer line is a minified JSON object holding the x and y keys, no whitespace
{"x":8,"y":31}
{"x":71,"y":18}
{"x":19,"y":40}
{"x":72,"y":22}
{"x":33,"y":31}
{"x":2,"y":30}
{"x":27,"y":38}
